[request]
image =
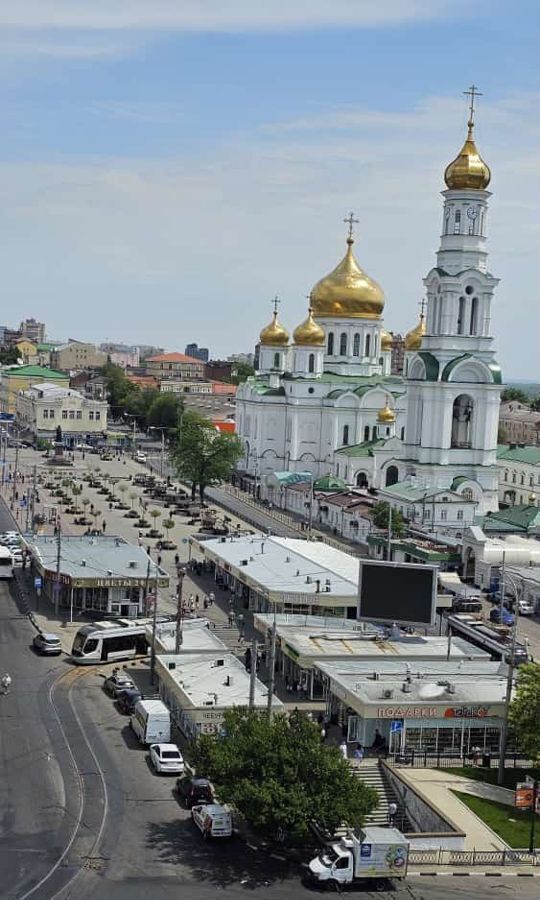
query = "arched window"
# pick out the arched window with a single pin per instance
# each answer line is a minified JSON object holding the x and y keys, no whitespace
{"x":506,"y":474}
{"x":403,"y":433}
{"x":482,"y":222}
{"x":343,"y":344}
{"x":345,"y":435}
{"x":467,"y":494}
{"x":374,"y":433}
{"x":392,"y":475}
{"x":474,"y":316}
{"x":311,"y":362}
{"x":366,"y":433}
{"x":356,"y":345}
{"x":330,"y":344}
{"x":368,"y":345}
{"x":361,"y":480}
{"x":462,"y":415}
{"x":461,"y":316}
{"x":277,"y":359}
{"x":457,"y":222}
{"x":447,"y":221}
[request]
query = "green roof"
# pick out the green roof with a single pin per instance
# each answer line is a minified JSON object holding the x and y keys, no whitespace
{"x":47,"y":346}
{"x":330,"y":483}
{"x":404,"y":490}
{"x":529,"y":454}
{"x":521,"y":516}
{"x":34,"y":372}
{"x":431,"y":365}
{"x":458,"y":481}
{"x":365,"y":449}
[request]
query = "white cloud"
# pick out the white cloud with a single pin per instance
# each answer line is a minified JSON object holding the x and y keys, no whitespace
{"x":194,"y":248}
{"x":220,"y":15}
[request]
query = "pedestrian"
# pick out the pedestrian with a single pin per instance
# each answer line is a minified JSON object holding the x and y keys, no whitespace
{"x":392,"y":811}
{"x":359,"y":753}
{"x":110,"y":505}
{"x":211,"y":598}
{"x":103,"y":526}
{"x":343,"y":749}
{"x":196,"y":601}
{"x":231,"y":618}
{"x":176,"y":560}
{"x":323,"y":734}
{"x":159,"y":560}
{"x":148,"y":549}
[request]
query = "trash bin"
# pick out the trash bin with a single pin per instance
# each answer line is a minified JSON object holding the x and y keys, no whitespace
{"x":486,"y":760}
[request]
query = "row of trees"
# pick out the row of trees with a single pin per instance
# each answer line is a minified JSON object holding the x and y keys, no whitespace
{"x":521,"y":396}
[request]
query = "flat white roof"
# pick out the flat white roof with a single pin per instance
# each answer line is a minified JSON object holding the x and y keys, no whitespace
{"x":194,"y":638}
{"x":287,"y":565}
{"x":312,"y":642}
{"x":218,"y":681}
{"x":471,"y":682}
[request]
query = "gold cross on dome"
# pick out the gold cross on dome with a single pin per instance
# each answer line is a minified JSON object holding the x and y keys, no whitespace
{"x":276,"y":301}
{"x":422,"y":305}
{"x":472,"y":93}
{"x":351,"y":222}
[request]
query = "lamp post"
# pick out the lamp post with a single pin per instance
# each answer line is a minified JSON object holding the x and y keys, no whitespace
{"x":162,"y":455}
{"x":509,"y":678}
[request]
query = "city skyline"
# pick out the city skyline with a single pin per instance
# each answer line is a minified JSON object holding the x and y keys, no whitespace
{"x":166,"y":173}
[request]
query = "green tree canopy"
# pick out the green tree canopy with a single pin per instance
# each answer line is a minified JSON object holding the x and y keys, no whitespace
{"x":525,"y":711}
{"x":165,"y":411}
{"x":9,"y":356}
{"x":380,"y":515}
{"x":241,"y":371}
{"x":278,"y":774}
{"x":202,"y":454}
{"x":513,"y":393}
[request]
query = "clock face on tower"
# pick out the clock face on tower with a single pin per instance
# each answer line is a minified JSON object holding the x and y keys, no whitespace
{"x":472,"y":212}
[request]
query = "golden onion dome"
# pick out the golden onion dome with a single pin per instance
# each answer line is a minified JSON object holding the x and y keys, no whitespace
{"x":532,"y":499}
{"x":274,"y":335}
{"x":468,"y":170}
{"x":309,"y":333}
{"x":386,"y":415}
{"x":413,"y":338}
{"x":347,"y":292}
{"x":386,"y":340}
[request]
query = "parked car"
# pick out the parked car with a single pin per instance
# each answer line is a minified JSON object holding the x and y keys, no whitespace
{"x":117,"y":682}
{"x":213,"y":820}
{"x":126,"y":700}
{"x":193,"y":791}
{"x":47,"y":643}
{"x":526,"y":608}
{"x":16,"y":555}
{"x":504,"y":618}
{"x":166,"y":759}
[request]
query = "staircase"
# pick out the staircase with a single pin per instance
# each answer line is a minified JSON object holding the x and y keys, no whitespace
{"x":371,"y":773}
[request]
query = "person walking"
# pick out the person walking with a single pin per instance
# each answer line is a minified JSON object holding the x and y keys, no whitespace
{"x":103,"y":526}
{"x":211,"y":598}
{"x":343,"y":749}
{"x":392,"y":812}
{"x":6,"y":683}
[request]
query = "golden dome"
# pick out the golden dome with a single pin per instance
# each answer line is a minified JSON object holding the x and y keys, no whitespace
{"x":309,"y":333}
{"x":532,"y":499}
{"x":386,"y":415}
{"x":347,"y":292}
{"x":386,"y":340}
{"x":468,"y":170}
{"x":413,"y":338}
{"x":274,"y":335}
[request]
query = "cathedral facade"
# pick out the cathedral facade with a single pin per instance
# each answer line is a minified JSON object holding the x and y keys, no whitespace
{"x":325,"y":402}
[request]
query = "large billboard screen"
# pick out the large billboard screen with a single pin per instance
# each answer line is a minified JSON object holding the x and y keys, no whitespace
{"x":397,"y":592}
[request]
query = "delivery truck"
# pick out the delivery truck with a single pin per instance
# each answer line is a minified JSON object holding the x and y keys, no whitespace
{"x":376,"y":853}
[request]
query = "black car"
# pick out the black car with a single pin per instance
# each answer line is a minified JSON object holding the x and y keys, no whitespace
{"x":126,"y":700}
{"x":193,"y":791}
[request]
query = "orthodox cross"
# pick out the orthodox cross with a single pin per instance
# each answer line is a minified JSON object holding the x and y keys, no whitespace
{"x":422,"y":305}
{"x":276,"y":301}
{"x":472,"y":93}
{"x":351,"y":222}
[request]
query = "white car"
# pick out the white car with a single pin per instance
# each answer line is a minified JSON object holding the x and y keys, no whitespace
{"x":526,"y":608}
{"x":16,"y":556}
{"x":140,"y":457}
{"x":166,"y":759}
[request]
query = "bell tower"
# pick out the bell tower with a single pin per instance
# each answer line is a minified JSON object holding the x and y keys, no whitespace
{"x":454,"y":382}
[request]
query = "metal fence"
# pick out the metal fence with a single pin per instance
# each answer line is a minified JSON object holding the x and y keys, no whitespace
{"x":423,"y":759}
{"x":473,"y":858}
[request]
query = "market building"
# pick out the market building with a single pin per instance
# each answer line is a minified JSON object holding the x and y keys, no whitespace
{"x":199,"y":688}
{"x":196,"y":637}
{"x":286,"y":574}
{"x":302,"y":642}
{"x":441,"y":706}
{"x":98,"y":573}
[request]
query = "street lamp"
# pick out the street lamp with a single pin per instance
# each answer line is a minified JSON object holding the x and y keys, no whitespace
{"x":510,"y":676}
{"x":162,"y":456}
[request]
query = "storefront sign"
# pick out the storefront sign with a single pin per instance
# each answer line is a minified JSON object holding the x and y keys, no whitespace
{"x":524,"y":797}
{"x":466,"y":712}
{"x":407,"y":712}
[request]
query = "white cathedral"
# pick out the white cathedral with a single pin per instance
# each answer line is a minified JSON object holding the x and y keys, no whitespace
{"x":326,"y":403}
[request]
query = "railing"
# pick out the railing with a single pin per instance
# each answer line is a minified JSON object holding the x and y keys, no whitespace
{"x":424,"y":759}
{"x":473,"y":858}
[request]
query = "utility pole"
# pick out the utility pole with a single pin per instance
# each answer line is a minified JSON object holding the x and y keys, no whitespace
{"x":253,"y":674}
{"x":14,"y":491}
{"x":509,"y":686}
{"x":58,"y":562}
{"x":272,"y":665}
{"x":154,"y":629}
{"x":389,"y":542}
{"x":533,"y":817}
{"x":178,"y":636}
{"x":501,"y":586}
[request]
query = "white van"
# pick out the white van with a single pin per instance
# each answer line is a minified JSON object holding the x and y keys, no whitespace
{"x":140,"y":457}
{"x":151,"y":722}
{"x":213,"y":820}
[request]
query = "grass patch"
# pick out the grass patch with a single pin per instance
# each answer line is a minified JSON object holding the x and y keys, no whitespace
{"x":477,"y":773}
{"x":512,"y":825}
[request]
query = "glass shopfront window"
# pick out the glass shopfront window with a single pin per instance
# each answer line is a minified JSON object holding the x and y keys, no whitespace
{"x":459,"y":737}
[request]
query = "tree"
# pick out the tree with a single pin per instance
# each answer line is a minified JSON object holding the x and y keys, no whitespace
{"x":513,"y":393}
{"x":381,"y":514}
{"x":241,"y":372}
{"x":279,"y":775}
{"x":535,"y":403}
{"x":524,"y":714}
{"x":9,"y":357}
{"x":202,"y":454}
{"x":165,"y":411}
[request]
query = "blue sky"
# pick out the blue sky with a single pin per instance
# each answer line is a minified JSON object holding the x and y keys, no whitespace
{"x":167,"y":167}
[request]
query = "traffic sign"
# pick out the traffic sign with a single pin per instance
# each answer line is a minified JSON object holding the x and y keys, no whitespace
{"x":396,"y":725}
{"x":37,"y":582}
